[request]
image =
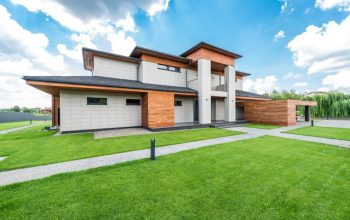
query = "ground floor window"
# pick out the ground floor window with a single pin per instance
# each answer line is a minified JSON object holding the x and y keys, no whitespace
{"x":96,"y":101}
{"x":133,"y":102}
{"x":178,"y":103}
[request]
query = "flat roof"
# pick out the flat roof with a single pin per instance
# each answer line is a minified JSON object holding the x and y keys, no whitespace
{"x":108,"y":82}
{"x":123,"y":83}
{"x":212,"y":48}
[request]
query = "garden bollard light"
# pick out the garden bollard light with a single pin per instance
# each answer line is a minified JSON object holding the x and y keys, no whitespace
{"x":30,"y":121}
{"x":153,"y":149}
{"x":312,"y":123}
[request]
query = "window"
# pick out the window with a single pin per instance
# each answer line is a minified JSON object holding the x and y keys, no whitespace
{"x":133,"y":102}
{"x":169,"y":68}
{"x":178,"y":103}
{"x":96,"y":101}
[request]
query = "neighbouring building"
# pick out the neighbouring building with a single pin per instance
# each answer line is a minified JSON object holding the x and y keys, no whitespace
{"x":158,"y":90}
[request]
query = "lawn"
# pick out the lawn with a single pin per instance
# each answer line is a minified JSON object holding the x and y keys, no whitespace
{"x":261,"y":126}
{"x":261,"y":178}
{"x":16,"y":124}
{"x":326,"y":132}
{"x":32,"y":147}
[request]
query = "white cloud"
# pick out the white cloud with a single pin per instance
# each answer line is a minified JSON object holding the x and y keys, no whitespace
{"x":159,"y":6}
{"x":292,"y":75}
{"x":341,"y":5}
{"x":14,"y":88}
{"x":261,"y":85}
{"x":107,"y":20}
{"x":15,"y":41}
{"x":127,"y":24}
{"x":300,"y":84}
{"x":284,"y":5}
{"x":339,"y":81}
{"x":279,"y":35}
{"x":323,"y":49}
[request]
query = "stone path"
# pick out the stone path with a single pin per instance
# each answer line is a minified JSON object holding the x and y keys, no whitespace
{"x":38,"y":172}
{"x":120,"y":132}
{"x":26,"y":174}
{"x":278,"y":133}
{"x":18,"y":128}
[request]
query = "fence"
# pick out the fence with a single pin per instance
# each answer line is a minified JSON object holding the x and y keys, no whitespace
{"x":21,"y":116}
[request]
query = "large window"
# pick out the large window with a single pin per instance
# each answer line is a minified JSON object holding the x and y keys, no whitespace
{"x":96,"y":101}
{"x":169,"y":68}
{"x":133,"y":102}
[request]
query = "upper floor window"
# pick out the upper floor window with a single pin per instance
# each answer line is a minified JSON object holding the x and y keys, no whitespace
{"x":169,"y":68}
{"x":96,"y":101}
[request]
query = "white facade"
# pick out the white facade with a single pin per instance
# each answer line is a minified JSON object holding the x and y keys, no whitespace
{"x":75,"y":114}
{"x":149,"y":73}
{"x":184,"y":113}
{"x":114,"y":68}
{"x":204,"y":91}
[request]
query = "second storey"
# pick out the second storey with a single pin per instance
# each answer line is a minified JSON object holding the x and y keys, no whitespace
{"x":153,"y":67}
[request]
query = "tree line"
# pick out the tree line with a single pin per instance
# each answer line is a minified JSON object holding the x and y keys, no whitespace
{"x":329,"y":105}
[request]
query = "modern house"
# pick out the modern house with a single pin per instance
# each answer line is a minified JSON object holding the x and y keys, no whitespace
{"x":157,"y":90}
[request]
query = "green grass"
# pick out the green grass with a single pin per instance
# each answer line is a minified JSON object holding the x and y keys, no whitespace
{"x":261,"y":178}
{"x":16,"y":124}
{"x":32,"y":148}
{"x":326,"y":132}
{"x":261,"y":126}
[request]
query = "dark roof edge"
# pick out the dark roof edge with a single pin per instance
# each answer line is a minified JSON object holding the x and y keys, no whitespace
{"x":156,"y":87}
{"x":242,"y":73}
{"x":150,"y":51}
{"x":215,"y":48}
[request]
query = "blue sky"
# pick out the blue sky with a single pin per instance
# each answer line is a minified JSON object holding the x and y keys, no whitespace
{"x":292,"y":44}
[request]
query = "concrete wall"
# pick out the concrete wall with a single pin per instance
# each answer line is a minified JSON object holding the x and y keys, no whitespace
{"x":114,"y":68}
{"x":204,"y":91}
{"x":192,"y":79}
{"x":21,"y":116}
{"x":184,"y":113}
{"x":149,"y":73}
{"x":77,"y":115}
{"x":239,"y":84}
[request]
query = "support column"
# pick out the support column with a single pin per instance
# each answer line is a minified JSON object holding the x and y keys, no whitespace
{"x":55,"y":110}
{"x":204,"y":96}
{"x":230,"y":100}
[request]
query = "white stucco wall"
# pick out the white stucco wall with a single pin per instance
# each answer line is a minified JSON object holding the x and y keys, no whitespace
{"x":239,"y":84}
{"x":149,"y":73}
{"x":184,"y":113}
{"x":204,"y":91}
{"x":75,"y":114}
{"x":115,"y":69}
{"x":192,"y":79}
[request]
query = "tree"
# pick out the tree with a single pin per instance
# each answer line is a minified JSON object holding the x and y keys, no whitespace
{"x":16,"y":108}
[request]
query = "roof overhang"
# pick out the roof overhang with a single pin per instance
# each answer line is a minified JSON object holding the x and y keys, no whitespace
{"x":139,"y":51}
{"x":203,"y":45}
{"x":89,"y":54}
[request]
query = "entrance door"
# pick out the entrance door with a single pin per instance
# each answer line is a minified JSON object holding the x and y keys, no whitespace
{"x":195,"y":110}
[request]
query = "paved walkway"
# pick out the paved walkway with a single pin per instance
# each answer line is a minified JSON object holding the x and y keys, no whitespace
{"x":18,"y":128}
{"x":32,"y":173}
{"x":26,"y":174}
{"x":278,"y":133}
{"x":333,"y":123}
{"x":120,"y":132}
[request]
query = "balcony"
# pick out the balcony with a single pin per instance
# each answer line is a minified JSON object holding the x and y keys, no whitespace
{"x":219,"y":91}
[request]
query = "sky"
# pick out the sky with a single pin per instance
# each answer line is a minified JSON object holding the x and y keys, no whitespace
{"x":302,"y":45}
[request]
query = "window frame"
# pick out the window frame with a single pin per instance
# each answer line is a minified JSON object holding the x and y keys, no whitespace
{"x":89,"y":99}
{"x":138,"y":103}
{"x":176,"y":103}
{"x":161,"y":66}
